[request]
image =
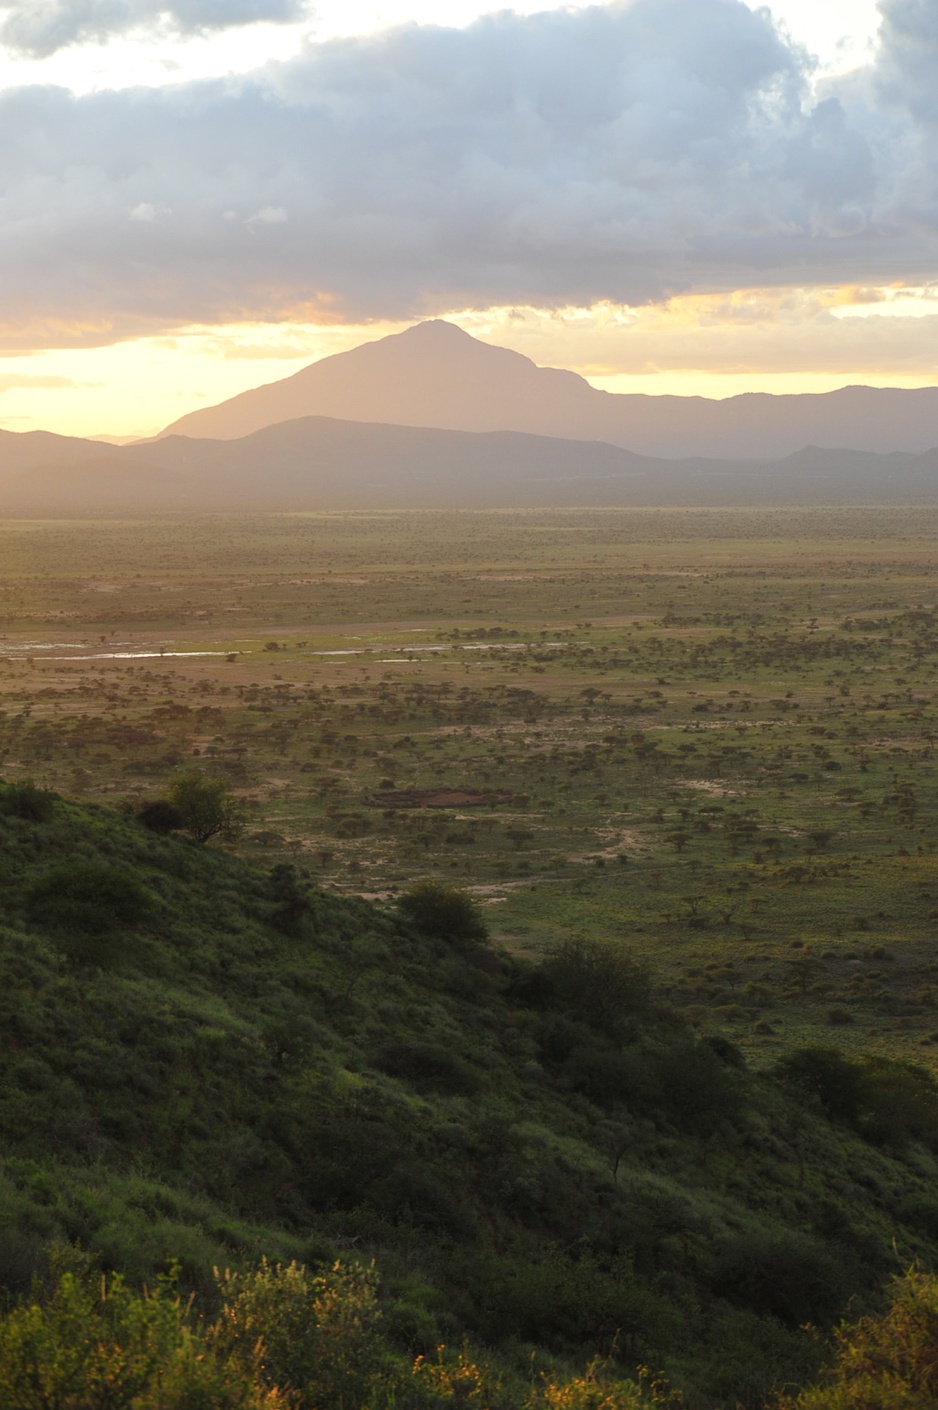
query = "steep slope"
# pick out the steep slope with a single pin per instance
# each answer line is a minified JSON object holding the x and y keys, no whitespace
{"x":434,"y":374}
{"x":201,"y":1061}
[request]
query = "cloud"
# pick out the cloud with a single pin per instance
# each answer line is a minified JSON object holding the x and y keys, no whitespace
{"x":623,"y":152}
{"x":11,"y":381}
{"x":268,"y":215}
{"x":42,"y":27}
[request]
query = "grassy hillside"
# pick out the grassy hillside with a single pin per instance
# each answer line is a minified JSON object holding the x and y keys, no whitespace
{"x":206,"y":1062}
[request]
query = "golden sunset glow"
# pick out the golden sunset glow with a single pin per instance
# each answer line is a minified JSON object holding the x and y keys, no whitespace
{"x":716,"y":345}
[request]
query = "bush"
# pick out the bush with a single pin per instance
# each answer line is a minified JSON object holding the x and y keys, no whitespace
{"x":597,"y":981}
{"x":900,"y":1102}
{"x":84,"y":904}
{"x":429,"y":1066}
{"x":291,"y":904}
{"x":161,"y":816}
{"x":826,"y":1074}
{"x":886,"y":1101}
{"x":444,"y":912}
{"x":696,"y":1083}
{"x":786,"y":1277}
{"x":320,"y":1335}
{"x":887,"y":1363}
{"x":95,"y":1342}
{"x":27,"y":801}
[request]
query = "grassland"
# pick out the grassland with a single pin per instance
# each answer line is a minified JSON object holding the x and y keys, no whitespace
{"x":710,"y":733}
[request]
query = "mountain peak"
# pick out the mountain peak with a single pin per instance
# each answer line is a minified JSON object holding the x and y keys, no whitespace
{"x":435,"y":374}
{"x":436,"y":329}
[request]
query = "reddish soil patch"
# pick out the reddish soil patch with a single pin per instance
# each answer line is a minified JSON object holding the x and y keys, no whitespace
{"x":440,"y":798}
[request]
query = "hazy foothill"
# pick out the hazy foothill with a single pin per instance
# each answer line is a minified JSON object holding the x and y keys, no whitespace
{"x":468,"y":827}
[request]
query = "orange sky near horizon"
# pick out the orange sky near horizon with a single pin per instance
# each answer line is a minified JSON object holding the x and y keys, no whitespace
{"x":767,"y":341}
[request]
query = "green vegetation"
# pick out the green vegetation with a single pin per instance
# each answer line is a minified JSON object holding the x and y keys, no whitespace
{"x":884,"y":1363}
{"x":578,"y":964}
{"x":536,"y":1154}
{"x":203,"y":805}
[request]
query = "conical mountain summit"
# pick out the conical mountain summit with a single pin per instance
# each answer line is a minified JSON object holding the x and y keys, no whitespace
{"x":435,"y":374}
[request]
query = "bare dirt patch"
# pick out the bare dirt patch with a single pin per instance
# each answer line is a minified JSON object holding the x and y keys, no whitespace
{"x":443,"y":797}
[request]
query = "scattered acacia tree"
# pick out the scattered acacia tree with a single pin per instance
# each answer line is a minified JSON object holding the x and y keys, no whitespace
{"x":205,"y":805}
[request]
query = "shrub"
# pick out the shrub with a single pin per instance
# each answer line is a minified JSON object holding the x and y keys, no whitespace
{"x":84,"y":904}
{"x":786,"y":1277}
{"x":320,"y":1335}
{"x":696,"y":1083}
{"x":291,"y":904}
{"x":886,"y":1101}
{"x":95,"y":1342}
{"x":885,"y":1363}
{"x":444,"y":912}
{"x":27,"y":801}
{"x":826,"y":1074}
{"x":598,"y":981}
{"x":901,"y":1102}
{"x":161,"y":816}
{"x":428,"y":1065}
{"x":726,"y":1051}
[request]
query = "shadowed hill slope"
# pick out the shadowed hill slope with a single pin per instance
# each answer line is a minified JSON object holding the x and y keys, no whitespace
{"x":206,"y":1062}
{"x":434,"y":374}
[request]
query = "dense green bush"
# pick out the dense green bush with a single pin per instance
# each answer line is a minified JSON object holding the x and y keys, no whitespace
{"x":886,"y":1101}
{"x":282,"y":1339}
{"x":291,"y":906}
{"x":884,"y":1363}
{"x":826,"y":1074}
{"x":444,"y":912}
{"x":598,"y":981}
{"x":27,"y":801}
{"x":785,"y":1277}
{"x":428,"y":1065}
{"x":161,"y":816}
{"x":84,"y":904}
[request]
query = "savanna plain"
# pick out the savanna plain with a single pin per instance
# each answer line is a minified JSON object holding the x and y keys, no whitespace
{"x":710,"y":733}
{"x":687,"y":752}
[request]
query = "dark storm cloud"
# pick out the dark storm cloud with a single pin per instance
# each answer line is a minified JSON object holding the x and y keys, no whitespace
{"x":621,"y":152}
{"x":41,"y":27}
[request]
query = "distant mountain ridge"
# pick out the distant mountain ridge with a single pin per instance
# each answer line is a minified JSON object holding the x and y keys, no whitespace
{"x":321,"y":463}
{"x":435,"y":374}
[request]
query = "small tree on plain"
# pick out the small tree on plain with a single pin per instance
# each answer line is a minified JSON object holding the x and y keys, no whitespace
{"x":205,"y":805}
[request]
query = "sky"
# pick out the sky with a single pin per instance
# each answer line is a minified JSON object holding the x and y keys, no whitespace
{"x":694,"y":196}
